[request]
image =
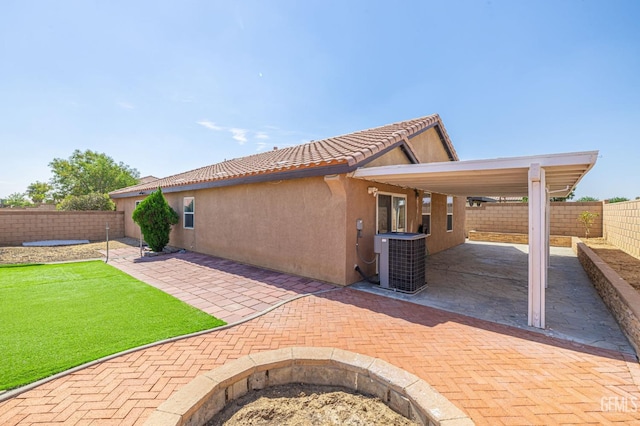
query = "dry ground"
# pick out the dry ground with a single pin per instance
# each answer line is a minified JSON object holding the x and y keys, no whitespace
{"x":627,"y":266}
{"x":19,"y":254}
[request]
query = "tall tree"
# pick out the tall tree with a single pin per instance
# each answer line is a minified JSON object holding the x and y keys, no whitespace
{"x":90,"y":172}
{"x":38,"y":191}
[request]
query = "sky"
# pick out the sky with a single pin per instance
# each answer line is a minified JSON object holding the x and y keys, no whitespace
{"x":170,"y":86}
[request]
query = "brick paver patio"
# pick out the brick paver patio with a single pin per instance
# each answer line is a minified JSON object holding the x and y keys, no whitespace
{"x":225,"y":289}
{"x":495,"y":373}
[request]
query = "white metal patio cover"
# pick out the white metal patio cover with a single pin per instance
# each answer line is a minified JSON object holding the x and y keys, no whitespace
{"x":538,"y":177}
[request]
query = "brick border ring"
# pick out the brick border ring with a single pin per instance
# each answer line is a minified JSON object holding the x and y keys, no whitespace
{"x":206,"y":395}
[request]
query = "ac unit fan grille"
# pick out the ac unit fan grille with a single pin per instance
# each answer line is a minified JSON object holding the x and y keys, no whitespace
{"x":407,"y":270}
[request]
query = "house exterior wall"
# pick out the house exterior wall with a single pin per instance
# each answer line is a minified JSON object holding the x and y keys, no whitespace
{"x":127,"y":205}
{"x":622,"y":226}
{"x":395,"y":156}
{"x":428,"y":147}
{"x":362,"y":205}
{"x":295,"y":226}
{"x":441,"y":239}
{"x":514,"y":218}
{"x":18,"y":226}
{"x":314,"y":236}
{"x":304,"y":226}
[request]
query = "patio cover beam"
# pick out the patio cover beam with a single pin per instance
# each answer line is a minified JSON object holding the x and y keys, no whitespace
{"x":538,"y":243}
{"x":532,"y":176}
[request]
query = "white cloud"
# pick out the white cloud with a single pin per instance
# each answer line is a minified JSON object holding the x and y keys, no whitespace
{"x":209,"y":125}
{"x":261,"y":146}
{"x":125,"y":105}
{"x":239,"y":134}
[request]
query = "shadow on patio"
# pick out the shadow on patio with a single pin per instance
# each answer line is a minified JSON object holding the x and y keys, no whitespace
{"x":489,"y":281}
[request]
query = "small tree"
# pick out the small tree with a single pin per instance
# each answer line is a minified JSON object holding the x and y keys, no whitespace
{"x":155,"y":217}
{"x":587,"y":218}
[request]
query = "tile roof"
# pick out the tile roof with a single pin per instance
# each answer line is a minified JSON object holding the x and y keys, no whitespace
{"x":349,"y":150}
{"x":147,"y":179}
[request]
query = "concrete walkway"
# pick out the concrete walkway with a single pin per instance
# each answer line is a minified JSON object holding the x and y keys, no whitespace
{"x":490,"y":281}
{"x":497,"y":374}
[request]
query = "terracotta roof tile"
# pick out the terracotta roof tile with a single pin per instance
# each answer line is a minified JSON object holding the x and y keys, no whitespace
{"x":349,"y":149}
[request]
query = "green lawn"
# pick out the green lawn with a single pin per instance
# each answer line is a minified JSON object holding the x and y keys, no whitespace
{"x":54,"y":317}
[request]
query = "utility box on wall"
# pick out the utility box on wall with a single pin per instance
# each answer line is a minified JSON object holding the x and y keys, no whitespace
{"x":402,"y":259}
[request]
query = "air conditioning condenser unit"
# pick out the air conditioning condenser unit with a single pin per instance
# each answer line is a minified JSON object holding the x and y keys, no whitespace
{"x":402,"y":258}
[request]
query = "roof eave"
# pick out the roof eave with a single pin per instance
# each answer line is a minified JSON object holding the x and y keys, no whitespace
{"x":331,"y":169}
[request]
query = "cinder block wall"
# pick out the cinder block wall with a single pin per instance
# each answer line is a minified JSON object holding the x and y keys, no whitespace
{"x":514,"y":218}
{"x":18,"y":226}
{"x":622,"y":226}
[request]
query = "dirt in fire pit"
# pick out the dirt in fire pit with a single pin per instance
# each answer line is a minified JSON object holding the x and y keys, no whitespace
{"x":306,"y":405}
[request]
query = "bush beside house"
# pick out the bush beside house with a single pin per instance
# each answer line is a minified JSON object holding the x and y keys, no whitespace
{"x":155,"y":217}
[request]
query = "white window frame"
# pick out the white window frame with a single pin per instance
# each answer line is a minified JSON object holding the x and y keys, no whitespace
{"x":428,"y":214}
{"x":449,"y":213}
{"x":393,"y":195}
{"x":185,"y":213}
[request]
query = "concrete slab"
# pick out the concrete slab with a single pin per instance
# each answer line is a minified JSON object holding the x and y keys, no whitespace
{"x":54,"y":243}
{"x":489,"y":281}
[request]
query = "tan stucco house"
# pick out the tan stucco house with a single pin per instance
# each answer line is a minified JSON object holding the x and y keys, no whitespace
{"x":295,"y":209}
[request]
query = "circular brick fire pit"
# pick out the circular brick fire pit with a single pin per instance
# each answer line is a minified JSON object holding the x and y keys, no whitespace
{"x":405,"y":393}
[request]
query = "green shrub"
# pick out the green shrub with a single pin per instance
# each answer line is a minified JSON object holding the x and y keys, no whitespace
{"x":617,"y":200}
{"x":17,"y":199}
{"x":91,"y":201}
{"x":155,"y":217}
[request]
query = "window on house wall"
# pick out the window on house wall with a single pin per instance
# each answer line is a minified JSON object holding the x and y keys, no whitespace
{"x":188,"y":212}
{"x":426,"y":213}
{"x":449,"y":213}
{"x":392,"y":213}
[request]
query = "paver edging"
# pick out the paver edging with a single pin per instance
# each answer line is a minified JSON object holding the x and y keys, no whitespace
{"x":405,"y":393}
{"x":622,"y":300}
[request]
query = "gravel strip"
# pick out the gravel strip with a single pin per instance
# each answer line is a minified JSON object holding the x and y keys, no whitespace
{"x":21,"y":255}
